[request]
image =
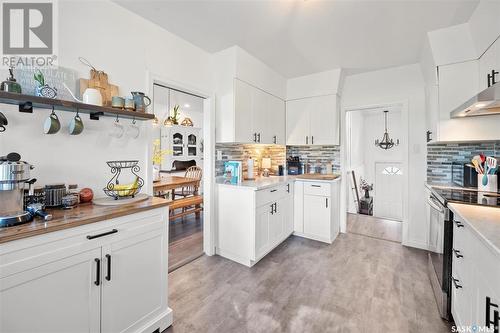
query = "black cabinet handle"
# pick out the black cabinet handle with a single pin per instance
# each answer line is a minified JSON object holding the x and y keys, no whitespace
{"x":307,"y":140}
{"x":258,"y":137}
{"x":315,"y":185}
{"x":491,"y":78}
{"x":429,"y":136}
{"x":272,"y":209}
{"x":273,"y":191}
{"x":255,"y":137}
{"x":114,"y":231}
{"x":495,"y":320}
{"x":459,"y":225}
{"x":97,"y":271}
{"x":312,"y":139}
{"x":275,"y":139}
{"x":288,"y":188}
{"x":455,"y":283}
{"x":326,"y":202}
{"x":108,"y":274}
{"x":457,"y":253}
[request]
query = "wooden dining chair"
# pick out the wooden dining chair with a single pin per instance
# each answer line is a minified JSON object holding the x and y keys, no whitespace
{"x":192,"y":172}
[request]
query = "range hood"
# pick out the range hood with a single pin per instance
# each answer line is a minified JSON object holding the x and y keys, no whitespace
{"x":486,"y":103}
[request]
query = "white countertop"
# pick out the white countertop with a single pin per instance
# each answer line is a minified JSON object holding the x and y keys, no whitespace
{"x":261,"y":183}
{"x":484,"y":221}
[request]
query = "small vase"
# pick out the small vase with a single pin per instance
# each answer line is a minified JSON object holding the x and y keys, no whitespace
{"x":156,"y":173}
{"x":367,"y":194}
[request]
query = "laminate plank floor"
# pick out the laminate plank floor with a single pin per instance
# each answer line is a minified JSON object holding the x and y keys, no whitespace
{"x":374,"y":227}
{"x":356,"y":284}
{"x":185,"y":241}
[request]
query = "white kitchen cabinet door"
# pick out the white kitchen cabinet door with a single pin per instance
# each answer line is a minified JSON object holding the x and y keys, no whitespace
{"x":317,"y":215}
{"x":260,"y":116}
{"x":133,"y":281}
{"x":461,"y":302}
{"x":457,"y":84}
{"x":276,"y":120}
{"x":262,"y":239}
{"x":432,"y":112}
{"x":61,"y":296}
{"x":298,"y":122}
{"x":324,"y":120}
{"x":486,"y":303}
{"x":243,"y":112}
{"x":487,"y":63}
{"x":276,"y":222}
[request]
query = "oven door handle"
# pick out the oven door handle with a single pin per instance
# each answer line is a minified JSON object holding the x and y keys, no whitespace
{"x":435,"y":204}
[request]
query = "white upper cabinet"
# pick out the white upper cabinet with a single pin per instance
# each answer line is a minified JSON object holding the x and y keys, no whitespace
{"x":489,"y":64}
{"x":257,"y":117}
{"x":313,"y":121}
{"x":457,"y":83}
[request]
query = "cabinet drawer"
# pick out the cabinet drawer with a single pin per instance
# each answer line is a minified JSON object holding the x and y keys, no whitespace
{"x":317,"y":188}
{"x":271,"y":194}
{"x":461,"y":305}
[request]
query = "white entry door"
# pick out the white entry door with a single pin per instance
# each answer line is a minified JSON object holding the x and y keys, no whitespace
{"x":388,"y":195}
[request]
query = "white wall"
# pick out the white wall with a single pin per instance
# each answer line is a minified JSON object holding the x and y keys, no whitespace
{"x":355,"y":146}
{"x":452,"y":44}
{"x":484,"y":25}
{"x":317,"y":84}
{"x":126,"y":46}
{"x":395,"y":85}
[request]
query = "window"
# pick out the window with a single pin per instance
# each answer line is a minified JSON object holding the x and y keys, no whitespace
{"x":392,"y":170}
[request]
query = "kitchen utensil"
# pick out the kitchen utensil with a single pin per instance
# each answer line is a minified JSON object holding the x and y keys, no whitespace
{"x":483,"y":158}
{"x":10,"y":84}
{"x":99,"y":80}
{"x":491,"y":183}
{"x":140,"y":101}
{"x":117,"y":102}
{"x":52,"y":124}
{"x":477,"y":166}
{"x":3,"y":122}
{"x":90,"y":96}
{"x":107,"y":90}
{"x":38,"y":209}
{"x":14,"y":175}
{"x":133,"y":130}
{"x":37,"y":196}
{"x":54,"y":194}
{"x":129,"y":104}
{"x":489,"y":164}
{"x":76,"y":125}
{"x":117,"y":129}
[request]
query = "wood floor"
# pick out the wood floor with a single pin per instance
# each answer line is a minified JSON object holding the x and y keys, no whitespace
{"x":374,"y":227}
{"x":185,"y":241}
{"x":357,"y":284}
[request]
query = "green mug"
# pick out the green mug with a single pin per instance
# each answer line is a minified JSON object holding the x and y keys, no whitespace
{"x":52,"y":124}
{"x":76,"y":125}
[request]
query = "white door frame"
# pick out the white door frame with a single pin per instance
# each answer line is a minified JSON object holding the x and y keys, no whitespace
{"x":405,"y":162}
{"x":209,"y":240}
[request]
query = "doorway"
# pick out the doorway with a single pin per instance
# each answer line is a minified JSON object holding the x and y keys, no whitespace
{"x":375,"y":171}
{"x":178,"y":134}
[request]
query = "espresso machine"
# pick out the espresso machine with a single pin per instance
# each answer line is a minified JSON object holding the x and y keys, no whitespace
{"x":14,"y":176}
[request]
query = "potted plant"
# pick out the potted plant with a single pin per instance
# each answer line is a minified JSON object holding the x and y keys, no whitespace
{"x":366,"y":187}
{"x":158,"y":154}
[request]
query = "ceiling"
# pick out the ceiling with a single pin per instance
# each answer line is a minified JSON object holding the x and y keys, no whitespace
{"x":306,"y":36}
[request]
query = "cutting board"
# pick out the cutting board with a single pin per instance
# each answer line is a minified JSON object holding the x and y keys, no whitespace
{"x":318,"y":176}
{"x":107,"y":90}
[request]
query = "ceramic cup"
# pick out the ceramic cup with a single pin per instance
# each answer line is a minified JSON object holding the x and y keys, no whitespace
{"x":129,"y":104}
{"x":52,"y":124}
{"x":117,"y":102}
{"x":116,"y":130}
{"x":133,"y":130}
{"x":76,"y":125}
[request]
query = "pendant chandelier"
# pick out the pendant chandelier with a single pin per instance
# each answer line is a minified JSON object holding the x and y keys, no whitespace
{"x":386,"y":142}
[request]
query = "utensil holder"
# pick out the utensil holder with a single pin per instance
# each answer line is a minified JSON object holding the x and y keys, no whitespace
{"x":491,"y":186}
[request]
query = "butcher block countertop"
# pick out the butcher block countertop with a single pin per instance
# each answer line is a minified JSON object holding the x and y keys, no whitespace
{"x":70,"y":218}
{"x":260,"y":183}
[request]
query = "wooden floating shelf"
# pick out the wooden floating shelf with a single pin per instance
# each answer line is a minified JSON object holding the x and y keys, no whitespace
{"x":28,"y":102}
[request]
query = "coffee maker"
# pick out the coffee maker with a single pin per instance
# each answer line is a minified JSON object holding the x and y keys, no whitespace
{"x":14,"y":175}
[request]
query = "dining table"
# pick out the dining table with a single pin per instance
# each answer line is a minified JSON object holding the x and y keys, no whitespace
{"x":171,"y":183}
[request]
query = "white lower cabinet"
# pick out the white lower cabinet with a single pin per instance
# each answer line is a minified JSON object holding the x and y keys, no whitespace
{"x":316,"y":210}
{"x":252,"y":223}
{"x":475,"y":287}
{"x":116,"y":281}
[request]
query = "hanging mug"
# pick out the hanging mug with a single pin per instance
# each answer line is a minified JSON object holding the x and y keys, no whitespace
{"x":139,"y":99}
{"x":76,"y":125}
{"x":52,"y":124}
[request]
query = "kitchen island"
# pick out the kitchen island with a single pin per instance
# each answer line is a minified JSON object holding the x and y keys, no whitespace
{"x":256,"y":216}
{"x":91,"y":268}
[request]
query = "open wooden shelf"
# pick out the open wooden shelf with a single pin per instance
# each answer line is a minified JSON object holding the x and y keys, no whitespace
{"x":27,"y":103}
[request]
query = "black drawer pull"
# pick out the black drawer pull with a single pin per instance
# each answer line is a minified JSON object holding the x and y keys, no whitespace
{"x":114,"y":231}
{"x":108,"y":274}
{"x":455,"y":283}
{"x":457,"y":253}
{"x":496,"y":320}
{"x":288,"y":188}
{"x":273,"y":191}
{"x":459,"y":224}
{"x":97,"y":272}
{"x":315,"y":185}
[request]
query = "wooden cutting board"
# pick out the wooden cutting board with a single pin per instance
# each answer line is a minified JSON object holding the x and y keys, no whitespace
{"x":318,"y":176}
{"x":108,"y":90}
